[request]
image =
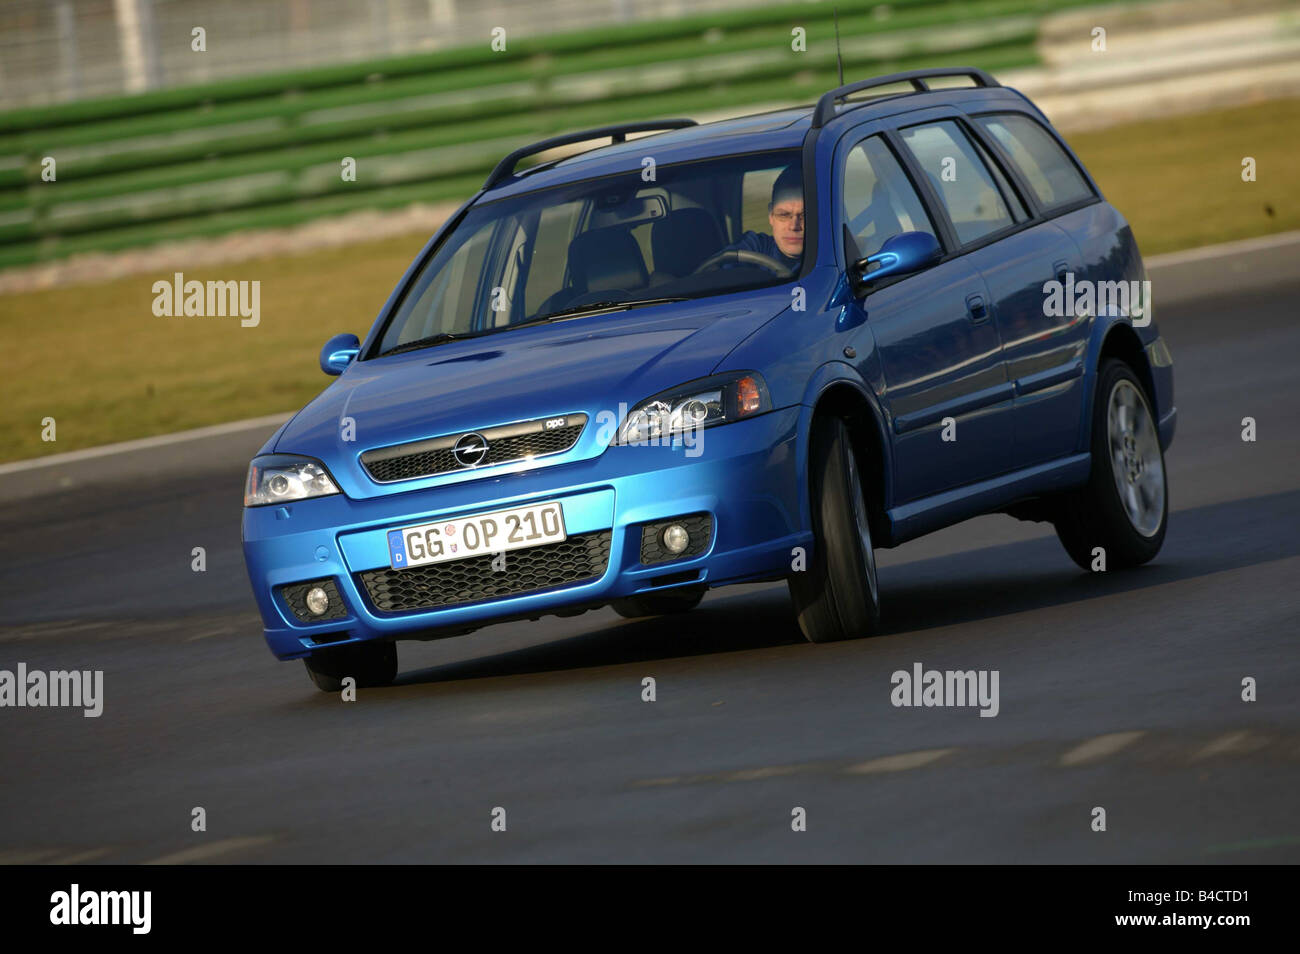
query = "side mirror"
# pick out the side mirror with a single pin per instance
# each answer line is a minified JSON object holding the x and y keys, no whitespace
{"x":901,"y":254}
{"x":338,"y":353}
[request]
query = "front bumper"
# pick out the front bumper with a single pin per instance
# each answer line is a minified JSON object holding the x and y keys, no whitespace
{"x":745,"y":476}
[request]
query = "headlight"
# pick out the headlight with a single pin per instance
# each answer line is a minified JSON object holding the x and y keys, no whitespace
{"x":719,"y":399}
{"x":280,"y":478}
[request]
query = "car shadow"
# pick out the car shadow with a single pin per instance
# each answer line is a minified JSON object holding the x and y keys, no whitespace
{"x":958,"y":588}
{"x":1031,"y":574}
{"x":756,"y":620}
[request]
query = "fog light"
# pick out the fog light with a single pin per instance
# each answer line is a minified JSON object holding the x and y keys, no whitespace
{"x":318,"y":601}
{"x":675,"y":538}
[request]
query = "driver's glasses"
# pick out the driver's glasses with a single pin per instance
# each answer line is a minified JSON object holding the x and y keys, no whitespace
{"x":785,"y":217}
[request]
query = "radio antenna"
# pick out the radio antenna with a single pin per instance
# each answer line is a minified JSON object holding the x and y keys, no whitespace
{"x":839,"y":60}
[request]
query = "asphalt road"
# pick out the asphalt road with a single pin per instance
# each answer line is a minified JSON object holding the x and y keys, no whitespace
{"x":1118,"y":690}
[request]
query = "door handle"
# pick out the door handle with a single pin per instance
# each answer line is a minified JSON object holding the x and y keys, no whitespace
{"x":1061,"y":268}
{"x":975,"y":308}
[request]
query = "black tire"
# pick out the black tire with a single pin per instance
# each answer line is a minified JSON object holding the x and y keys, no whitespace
{"x":1097,"y":515}
{"x":370,"y":664}
{"x":837,"y":596}
{"x":659,"y":604}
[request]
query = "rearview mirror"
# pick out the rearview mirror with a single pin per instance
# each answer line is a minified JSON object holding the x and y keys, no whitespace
{"x":338,"y":353}
{"x":901,"y":254}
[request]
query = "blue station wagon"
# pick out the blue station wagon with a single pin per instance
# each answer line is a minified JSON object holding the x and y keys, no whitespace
{"x":750,"y":350}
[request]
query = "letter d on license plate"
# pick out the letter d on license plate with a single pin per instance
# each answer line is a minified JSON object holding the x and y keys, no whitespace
{"x":483,"y":533}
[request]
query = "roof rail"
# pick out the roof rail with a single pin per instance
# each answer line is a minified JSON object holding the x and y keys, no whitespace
{"x":825,"y":110}
{"x":618,"y":133}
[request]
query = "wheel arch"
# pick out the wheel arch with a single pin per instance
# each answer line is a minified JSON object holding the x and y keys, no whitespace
{"x":1122,"y":342}
{"x":837,"y":392}
{"x":1116,"y":338}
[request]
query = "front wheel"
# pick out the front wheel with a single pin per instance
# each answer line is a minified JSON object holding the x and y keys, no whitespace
{"x":837,"y":597}
{"x":370,"y":664}
{"x":1124,"y":507}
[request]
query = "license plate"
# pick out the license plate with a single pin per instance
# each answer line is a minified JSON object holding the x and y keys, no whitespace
{"x":491,"y":533}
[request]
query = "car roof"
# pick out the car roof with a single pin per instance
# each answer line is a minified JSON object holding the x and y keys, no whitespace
{"x":778,"y":129}
{"x":759,"y":132}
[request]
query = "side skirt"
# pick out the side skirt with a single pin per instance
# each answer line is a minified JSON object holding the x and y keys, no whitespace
{"x":952,"y":506}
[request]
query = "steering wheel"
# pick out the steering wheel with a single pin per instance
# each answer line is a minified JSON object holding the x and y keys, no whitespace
{"x":746,"y":256}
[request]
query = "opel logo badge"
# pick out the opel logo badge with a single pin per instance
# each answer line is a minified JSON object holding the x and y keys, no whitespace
{"x":470,"y":450}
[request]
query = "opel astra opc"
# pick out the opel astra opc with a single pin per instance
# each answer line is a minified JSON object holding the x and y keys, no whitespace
{"x":750,"y":350}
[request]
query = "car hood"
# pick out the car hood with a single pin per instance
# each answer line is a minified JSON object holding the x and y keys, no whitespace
{"x":587,"y":365}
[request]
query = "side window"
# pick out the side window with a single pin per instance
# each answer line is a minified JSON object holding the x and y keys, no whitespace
{"x":755,"y":191}
{"x":878,"y":200}
{"x":959,"y":175}
{"x":1018,"y":210}
{"x":1050,"y":173}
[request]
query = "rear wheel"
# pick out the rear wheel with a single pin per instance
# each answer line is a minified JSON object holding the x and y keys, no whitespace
{"x":1124,"y":507}
{"x":837,"y":596}
{"x":370,"y":664}
{"x":658,"y":604}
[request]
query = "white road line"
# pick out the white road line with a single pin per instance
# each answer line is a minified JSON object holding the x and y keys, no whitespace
{"x":740,"y":775}
{"x":888,"y":763}
{"x":145,"y":443}
{"x":78,"y":857}
{"x":899,"y":763}
{"x":210,"y":850}
{"x":1228,"y":743}
{"x":753,"y":775}
{"x":25,"y":856}
{"x":1259,"y":244}
{"x":1100,"y":747}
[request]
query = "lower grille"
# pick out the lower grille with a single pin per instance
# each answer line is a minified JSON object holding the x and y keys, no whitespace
{"x":579,"y":559}
{"x":698,"y":525}
{"x":295,"y":594}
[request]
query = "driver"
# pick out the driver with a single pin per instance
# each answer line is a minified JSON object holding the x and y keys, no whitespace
{"x":785,"y":216}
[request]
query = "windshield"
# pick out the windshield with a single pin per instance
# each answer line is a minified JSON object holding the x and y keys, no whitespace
{"x":652,"y":234}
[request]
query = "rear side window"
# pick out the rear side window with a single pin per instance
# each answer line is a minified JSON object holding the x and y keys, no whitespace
{"x":959,"y":175}
{"x":1050,"y":173}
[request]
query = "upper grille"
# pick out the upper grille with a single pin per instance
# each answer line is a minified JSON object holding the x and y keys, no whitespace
{"x":507,"y":443}
{"x":579,"y":559}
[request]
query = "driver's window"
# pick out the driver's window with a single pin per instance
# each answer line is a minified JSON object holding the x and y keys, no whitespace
{"x":878,"y":200}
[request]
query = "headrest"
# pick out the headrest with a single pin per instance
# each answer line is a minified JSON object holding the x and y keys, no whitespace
{"x":682,"y":240}
{"x":605,"y":259}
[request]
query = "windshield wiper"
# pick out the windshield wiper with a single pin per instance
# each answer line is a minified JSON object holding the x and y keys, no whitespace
{"x":428,"y":342}
{"x":577,"y":310}
{"x":574,"y":312}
